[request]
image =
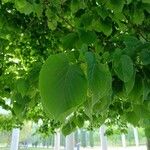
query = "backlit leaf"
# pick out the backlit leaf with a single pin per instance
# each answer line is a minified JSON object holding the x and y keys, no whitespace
{"x":62,"y":85}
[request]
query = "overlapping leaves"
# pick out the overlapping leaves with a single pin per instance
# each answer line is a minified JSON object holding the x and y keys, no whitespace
{"x":111,"y":42}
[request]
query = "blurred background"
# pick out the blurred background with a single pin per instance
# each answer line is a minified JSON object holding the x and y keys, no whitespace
{"x":31,"y":139}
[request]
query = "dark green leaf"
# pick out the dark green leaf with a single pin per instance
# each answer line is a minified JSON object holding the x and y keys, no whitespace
{"x":70,"y":40}
{"x":68,"y":128}
{"x":130,"y":84}
{"x":132,"y":118}
{"x":116,"y":5}
{"x":137,"y":91}
{"x":87,"y":37}
{"x":145,"y":57}
{"x":22,"y":86}
{"x":104,"y":26}
{"x":138,"y":16}
{"x":147,"y":132}
{"x":102,"y":105}
{"x":99,"y":77}
{"x":76,"y":5}
{"x":146,"y":1}
{"x":124,"y":68}
{"x":79,"y":121}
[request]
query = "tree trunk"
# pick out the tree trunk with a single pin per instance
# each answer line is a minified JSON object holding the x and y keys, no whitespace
{"x":76,"y":137}
{"x":70,"y":142}
{"x":57,"y":141}
{"x":103,"y":138}
{"x":15,"y":139}
{"x":148,"y":143}
{"x":136,"y":137}
{"x":123,"y":138}
{"x":83,"y":138}
{"x":91,"y":138}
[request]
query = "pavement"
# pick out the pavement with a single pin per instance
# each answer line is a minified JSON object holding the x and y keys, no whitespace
{"x":117,"y":148}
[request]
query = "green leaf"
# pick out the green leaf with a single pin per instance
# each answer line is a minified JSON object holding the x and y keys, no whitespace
{"x":103,"y":12}
{"x":22,"y":86}
{"x":146,"y":90}
{"x":37,"y":9}
{"x":17,"y":97}
{"x":52,"y":24}
{"x":142,"y":111}
{"x":99,"y":77}
{"x":23,"y":6}
{"x":146,"y":1}
{"x":63,"y":85}
{"x":76,"y":5}
{"x":79,"y":121}
{"x":104,"y":26}
{"x":87,"y":37}
{"x":52,"y":19}
{"x":131,"y":43}
{"x":145,"y":57}
{"x":2,"y":22}
{"x":86,"y":20}
{"x":123,"y":67}
{"x":88,"y":105}
{"x":130,"y":84}
{"x":132,"y":118}
{"x":68,"y":128}
{"x":145,"y":123}
{"x":129,"y":1}
{"x":6,"y":1}
{"x":146,"y":6}
{"x":147,"y":132}
{"x":138,"y":16}
{"x":18,"y":109}
{"x":70,"y":40}
{"x":116,"y":5}
{"x":102,"y":105}
{"x":137,"y":91}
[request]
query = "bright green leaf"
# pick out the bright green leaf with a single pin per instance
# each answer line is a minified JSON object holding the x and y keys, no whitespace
{"x":62,"y":85}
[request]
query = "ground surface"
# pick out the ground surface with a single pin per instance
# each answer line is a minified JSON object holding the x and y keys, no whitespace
{"x":87,"y":148}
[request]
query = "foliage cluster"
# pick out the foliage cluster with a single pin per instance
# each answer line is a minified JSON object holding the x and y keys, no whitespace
{"x":83,"y":60}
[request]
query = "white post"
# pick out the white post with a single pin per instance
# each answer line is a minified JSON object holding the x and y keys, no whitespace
{"x":57,"y":141}
{"x":123,"y":138}
{"x":136,"y":137}
{"x":70,"y":142}
{"x":15,"y":139}
{"x":103,"y":138}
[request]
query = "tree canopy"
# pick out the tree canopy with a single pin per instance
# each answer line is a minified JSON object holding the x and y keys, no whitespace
{"x":71,"y":61}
